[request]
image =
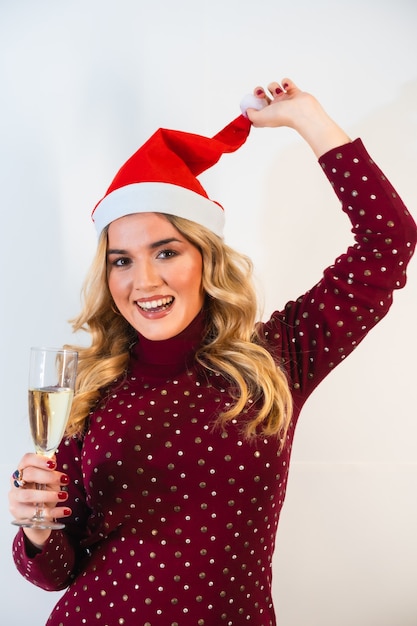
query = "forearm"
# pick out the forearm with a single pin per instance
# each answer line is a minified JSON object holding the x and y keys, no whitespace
{"x":321,"y":133}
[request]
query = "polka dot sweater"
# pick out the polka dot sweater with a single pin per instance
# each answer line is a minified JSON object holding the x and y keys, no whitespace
{"x":174,"y":521}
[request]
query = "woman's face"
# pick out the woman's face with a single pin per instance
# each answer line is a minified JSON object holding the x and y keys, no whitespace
{"x":154,"y":275}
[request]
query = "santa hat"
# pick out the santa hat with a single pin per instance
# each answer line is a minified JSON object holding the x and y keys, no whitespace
{"x":161,"y":177}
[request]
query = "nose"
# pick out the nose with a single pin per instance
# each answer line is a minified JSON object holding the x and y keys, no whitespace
{"x":146,"y":276}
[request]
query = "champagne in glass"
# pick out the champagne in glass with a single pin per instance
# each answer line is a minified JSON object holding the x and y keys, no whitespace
{"x":49,"y":409}
{"x":52,"y":376}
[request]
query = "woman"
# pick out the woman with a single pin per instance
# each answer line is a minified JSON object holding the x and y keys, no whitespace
{"x":174,"y":469}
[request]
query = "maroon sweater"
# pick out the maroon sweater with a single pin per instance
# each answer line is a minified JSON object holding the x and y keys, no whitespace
{"x":174,"y":522}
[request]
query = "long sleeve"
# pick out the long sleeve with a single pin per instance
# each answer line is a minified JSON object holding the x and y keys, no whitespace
{"x":55,"y":566}
{"x":318,"y":330}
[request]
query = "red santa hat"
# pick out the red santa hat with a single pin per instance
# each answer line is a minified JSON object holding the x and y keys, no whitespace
{"x":161,"y":177}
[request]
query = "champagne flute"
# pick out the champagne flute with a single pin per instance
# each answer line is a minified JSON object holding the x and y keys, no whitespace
{"x":52,"y":374}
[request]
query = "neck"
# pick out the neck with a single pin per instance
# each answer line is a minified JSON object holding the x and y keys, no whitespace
{"x":175,"y":351}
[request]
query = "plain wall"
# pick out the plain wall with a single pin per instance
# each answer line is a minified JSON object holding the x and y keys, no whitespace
{"x":83,"y":84}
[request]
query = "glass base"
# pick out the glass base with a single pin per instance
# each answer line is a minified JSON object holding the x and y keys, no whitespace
{"x":38,"y":524}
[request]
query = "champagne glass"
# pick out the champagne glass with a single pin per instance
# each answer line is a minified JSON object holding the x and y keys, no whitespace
{"x":52,"y":374}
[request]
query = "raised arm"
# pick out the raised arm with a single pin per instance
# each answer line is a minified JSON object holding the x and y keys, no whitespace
{"x":318,"y":330}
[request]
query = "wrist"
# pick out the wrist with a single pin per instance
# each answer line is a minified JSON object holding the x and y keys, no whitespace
{"x":321,"y":133}
{"x":35,"y":540}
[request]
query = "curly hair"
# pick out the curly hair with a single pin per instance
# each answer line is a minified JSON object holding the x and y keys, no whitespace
{"x":231,"y":346}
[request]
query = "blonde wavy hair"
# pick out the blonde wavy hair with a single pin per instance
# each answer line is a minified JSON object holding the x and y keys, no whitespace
{"x":231,"y":347}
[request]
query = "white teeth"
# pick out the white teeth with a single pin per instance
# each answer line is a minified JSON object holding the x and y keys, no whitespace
{"x":155,"y":304}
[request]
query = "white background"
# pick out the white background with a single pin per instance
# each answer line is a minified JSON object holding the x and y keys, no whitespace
{"x":82,"y":84}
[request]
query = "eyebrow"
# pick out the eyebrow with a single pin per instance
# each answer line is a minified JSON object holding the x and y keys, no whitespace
{"x":152,"y":246}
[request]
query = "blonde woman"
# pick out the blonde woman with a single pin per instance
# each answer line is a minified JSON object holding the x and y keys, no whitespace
{"x":173,"y":472}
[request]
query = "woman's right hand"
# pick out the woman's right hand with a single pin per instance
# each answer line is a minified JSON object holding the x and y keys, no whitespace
{"x":35,"y":469}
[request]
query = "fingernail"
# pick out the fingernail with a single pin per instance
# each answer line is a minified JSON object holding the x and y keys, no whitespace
{"x":66,"y":511}
{"x":278,"y":90}
{"x":65,"y":479}
{"x":259,"y":92}
{"x":50,"y":464}
{"x":62,"y":495}
{"x":285,"y":85}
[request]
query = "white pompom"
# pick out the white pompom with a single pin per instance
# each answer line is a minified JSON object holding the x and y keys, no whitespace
{"x":252,"y":102}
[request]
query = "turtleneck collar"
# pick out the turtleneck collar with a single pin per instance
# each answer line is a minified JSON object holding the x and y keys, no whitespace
{"x":177,"y":351}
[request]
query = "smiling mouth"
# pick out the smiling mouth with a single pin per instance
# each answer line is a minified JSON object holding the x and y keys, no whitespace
{"x":151,"y":306}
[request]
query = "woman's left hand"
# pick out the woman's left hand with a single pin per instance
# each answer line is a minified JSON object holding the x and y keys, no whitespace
{"x":288,"y":106}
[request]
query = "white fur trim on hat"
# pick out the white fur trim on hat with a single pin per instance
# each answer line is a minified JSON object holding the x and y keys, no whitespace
{"x":250,"y":101}
{"x":159,"y":198}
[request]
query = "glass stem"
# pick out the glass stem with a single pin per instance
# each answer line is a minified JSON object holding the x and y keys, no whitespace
{"x":39,"y":515}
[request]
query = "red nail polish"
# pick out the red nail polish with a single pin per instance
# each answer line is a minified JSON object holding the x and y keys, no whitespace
{"x":285,"y":85}
{"x":65,"y":479}
{"x":62,"y":495}
{"x":259,"y":92}
{"x":50,"y":464}
{"x":278,"y":90}
{"x":66,"y":511}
